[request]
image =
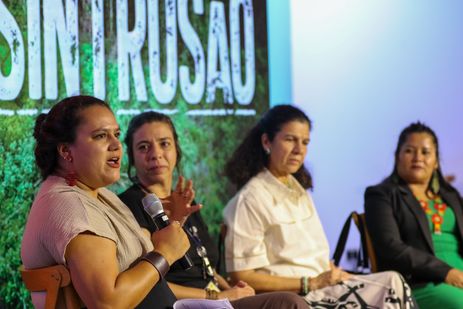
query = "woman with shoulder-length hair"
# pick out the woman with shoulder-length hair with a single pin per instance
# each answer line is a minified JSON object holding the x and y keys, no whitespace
{"x":275,"y":240}
{"x":154,"y":154}
{"x":415,"y":220}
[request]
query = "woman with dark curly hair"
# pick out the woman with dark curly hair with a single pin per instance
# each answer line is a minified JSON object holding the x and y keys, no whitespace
{"x":77,"y":222}
{"x":415,"y":220}
{"x":275,"y":240}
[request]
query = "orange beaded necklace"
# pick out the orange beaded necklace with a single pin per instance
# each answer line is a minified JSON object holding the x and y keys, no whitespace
{"x":437,"y":214}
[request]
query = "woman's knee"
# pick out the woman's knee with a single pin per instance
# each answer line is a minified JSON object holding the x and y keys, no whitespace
{"x":290,"y":300}
{"x":272,"y":300}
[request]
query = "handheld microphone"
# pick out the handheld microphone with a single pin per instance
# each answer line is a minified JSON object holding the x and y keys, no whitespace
{"x":153,"y":207}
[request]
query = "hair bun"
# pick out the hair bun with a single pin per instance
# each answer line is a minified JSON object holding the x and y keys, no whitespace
{"x":38,"y":125}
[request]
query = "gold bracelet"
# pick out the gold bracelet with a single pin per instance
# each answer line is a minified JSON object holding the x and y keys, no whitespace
{"x":212,"y":294}
{"x":304,"y":285}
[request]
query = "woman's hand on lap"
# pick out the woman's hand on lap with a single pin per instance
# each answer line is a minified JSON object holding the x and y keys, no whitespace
{"x":455,"y":277}
{"x":240,"y":290}
{"x":328,"y":278}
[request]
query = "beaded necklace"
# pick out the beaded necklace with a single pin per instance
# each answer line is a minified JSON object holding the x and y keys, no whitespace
{"x":192,"y":231}
{"x":436,"y":212}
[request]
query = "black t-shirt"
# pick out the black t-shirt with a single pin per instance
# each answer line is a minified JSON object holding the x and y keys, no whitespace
{"x":192,"y":277}
{"x":160,"y":296}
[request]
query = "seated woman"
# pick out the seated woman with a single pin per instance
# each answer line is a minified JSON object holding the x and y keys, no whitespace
{"x":415,"y":220}
{"x":76,"y":221}
{"x":154,"y":151}
{"x":275,"y":239}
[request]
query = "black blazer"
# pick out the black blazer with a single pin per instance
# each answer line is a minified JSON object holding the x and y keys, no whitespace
{"x":400,"y":232}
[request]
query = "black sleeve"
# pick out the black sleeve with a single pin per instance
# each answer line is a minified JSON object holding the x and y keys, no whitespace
{"x":387,"y":233}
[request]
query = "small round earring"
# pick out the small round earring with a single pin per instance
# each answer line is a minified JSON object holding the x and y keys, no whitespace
{"x":267,"y":151}
{"x":67,"y":158}
{"x":71,"y":175}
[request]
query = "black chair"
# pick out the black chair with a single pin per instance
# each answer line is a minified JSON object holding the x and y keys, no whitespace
{"x":221,"y":246}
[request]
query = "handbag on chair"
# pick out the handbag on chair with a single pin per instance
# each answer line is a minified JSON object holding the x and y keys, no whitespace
{"x":366,"y":258}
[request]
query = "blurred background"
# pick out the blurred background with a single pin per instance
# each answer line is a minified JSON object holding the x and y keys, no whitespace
{"x":363,"y":70}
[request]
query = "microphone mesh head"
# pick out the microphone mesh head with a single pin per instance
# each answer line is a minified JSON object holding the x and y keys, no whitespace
{"x":152,"y":205}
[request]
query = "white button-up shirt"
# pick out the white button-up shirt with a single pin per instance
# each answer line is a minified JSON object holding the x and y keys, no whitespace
{"x":275,"y":229}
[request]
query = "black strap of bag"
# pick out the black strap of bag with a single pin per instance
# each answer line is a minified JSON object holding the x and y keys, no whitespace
{"x":220,"y":267}
{"x":340,"y":246}
{"x":362,"y":257}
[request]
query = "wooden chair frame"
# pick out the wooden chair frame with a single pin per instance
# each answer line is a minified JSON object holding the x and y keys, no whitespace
{"x":361,"y":224}
{"x":55,"y":281}
{"x":367,"y":257}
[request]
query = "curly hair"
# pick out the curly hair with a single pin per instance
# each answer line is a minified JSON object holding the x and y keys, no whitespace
{"x":249,"y":158}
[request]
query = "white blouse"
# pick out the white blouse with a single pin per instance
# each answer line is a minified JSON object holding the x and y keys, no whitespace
{"x":275,"y":229}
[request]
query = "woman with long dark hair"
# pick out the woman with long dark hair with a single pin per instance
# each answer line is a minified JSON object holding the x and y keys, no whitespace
{"x":275,"y":240}
{"x":415,"y":220}
{"x":154,"y":155}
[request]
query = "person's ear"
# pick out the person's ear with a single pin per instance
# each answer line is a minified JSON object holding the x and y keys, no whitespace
{"x":64,"y":152}
{"x":266,"y":144}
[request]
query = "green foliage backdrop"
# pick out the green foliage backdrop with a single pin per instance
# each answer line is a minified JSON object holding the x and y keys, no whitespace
{"x":207,"y":142}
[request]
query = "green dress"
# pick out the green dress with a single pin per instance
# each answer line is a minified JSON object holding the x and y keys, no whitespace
{"x":446,"y":247}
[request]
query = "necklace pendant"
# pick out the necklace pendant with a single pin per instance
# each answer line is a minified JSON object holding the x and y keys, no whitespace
{"x":437,"y":221}
{"x":425,"y":207}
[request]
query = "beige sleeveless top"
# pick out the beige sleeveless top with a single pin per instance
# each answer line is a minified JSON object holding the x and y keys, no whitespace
{"x":61,"y":212}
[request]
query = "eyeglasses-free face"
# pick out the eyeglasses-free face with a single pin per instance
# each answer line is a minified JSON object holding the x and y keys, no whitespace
{"x":97,"y":151}
{"x":154,"y":154}
{"x":417,"y":159}
{"x":288,"y":148}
